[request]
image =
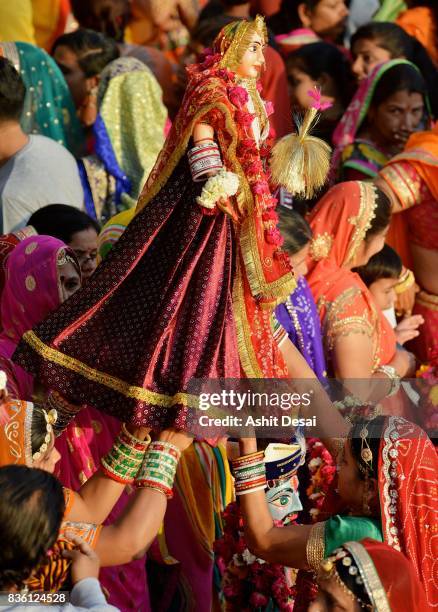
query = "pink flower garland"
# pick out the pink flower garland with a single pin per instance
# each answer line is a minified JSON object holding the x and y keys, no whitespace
{"x":247,"y":582}
{"x":322,"y":470}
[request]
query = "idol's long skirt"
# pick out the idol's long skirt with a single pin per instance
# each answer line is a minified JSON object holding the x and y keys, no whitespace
{"x":157,"y":312}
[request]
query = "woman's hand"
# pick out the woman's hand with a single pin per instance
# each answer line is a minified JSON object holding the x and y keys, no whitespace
{"x":407,"y":329}
{"x":405,"y":301}
{"x":85,"y":562}
{"x":139,"y":432}
{"x":181,"y":439}
{"x":247,"y":446}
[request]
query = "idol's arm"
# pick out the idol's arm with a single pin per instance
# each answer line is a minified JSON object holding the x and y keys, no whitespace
{"x":202,"y":131}
{"x":283,"y":545}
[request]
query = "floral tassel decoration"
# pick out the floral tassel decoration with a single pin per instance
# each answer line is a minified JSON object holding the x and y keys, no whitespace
{"x":300,"y":162}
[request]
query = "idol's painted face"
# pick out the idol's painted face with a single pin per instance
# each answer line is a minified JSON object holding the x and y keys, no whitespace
{"x":283,"y":500}
{"x":253,"y":59}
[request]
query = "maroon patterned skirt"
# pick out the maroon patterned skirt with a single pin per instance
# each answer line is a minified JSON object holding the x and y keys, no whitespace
{"x":156,"y":313}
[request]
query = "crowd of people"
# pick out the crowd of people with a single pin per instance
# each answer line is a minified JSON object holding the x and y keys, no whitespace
{"x":222,"y":190}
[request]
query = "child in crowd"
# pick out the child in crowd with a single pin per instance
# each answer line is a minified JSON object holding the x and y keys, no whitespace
{"x":381,"y":275}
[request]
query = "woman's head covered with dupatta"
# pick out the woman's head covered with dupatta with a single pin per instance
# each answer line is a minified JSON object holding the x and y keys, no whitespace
{"x":349,"y":225}
{"x":48,"y":108}
{"x":395,"y":469}
{"x":343,"y":220}
{"x":41,"y":273}
{"x":36,"y":283}
{"x":130,"y":103}
{"x":370,"y":575}
{"x":384,"y":81}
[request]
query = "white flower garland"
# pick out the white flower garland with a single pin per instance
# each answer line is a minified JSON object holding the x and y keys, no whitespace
{"x":221,"y":185}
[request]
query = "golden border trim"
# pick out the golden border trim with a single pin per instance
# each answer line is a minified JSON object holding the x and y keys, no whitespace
{"x":369,"y":575}
{"x":112,"y":382}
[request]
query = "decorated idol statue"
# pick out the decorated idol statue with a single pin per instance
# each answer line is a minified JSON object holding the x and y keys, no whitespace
{"x":188,"y":290}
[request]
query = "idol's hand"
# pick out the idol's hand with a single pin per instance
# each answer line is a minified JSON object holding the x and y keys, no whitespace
{"x":181,"y":439}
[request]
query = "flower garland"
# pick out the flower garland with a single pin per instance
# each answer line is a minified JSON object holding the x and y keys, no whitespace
{"x":322,"y":470}
{"x":249,"y":583}
{"x":427,"y":377}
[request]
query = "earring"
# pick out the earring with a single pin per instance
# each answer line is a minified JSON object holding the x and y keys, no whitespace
{"x":88,"y":110}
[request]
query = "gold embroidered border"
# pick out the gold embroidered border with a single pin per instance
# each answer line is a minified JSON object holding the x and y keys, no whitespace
{"x":365,"y":215}
{"x":419,"y":155}
{"x":247,"y":355}
{"x":369,"y":575}
{"x":112,"y":382}
{"x":315,"y":547}
{"x":401,"y":185}
{"x":277,"y":291}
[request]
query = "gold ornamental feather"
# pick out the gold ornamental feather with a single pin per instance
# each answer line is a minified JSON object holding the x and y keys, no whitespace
{"x":300,"y":162}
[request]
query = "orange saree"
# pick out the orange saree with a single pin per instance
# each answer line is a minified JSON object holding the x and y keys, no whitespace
{"x":339,"y":223}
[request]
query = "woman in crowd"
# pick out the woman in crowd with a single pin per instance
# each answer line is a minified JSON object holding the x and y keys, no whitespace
{"x":411,"y":179}
{"x":349,"y":225}
{"x":324,"y":66}
{"x":33,"y":445}
{"x":41,"y":273}
{"x":299,"y":22}
{"x":387,"y":480}
{"x":75,"y":228}
{"x":81,"y":56}
{"x":48,"y":109}
{"x":369,"y":575}
{"x":388,"y":107}
{"x":129,"y":133}
{"x":298,"y":316}
{"x":67,"y":223}
{"x":111,"y":20}
{"x":379,"y":42}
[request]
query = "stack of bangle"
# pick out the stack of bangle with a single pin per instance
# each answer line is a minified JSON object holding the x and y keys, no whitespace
{"x":249,"y":473}
{"x":124,"y":460}
{"x":391,"y":373}
{"x":407,"y":279}
{"x":204,"y":158}
{"x":159,"y":468}
{"x":65,"y":411}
